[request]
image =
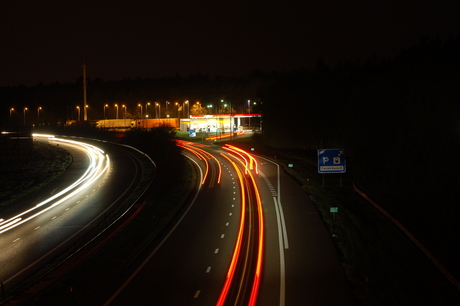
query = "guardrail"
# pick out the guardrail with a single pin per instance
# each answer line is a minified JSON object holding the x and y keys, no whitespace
{"x":428,"y":254}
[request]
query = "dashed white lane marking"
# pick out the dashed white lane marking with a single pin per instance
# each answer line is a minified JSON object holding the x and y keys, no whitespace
{"x":16,"y":240}
{"x":230,"y":214}
{"x":226,"y":224}
{"x":197,"y":293}
{"x":208,"y":270}
{"x":222,"y":236}
{"x":216,"y":251}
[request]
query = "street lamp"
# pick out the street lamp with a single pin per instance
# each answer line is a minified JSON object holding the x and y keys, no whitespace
{"x":188,"y":109}
{"x":159,"y":110}
{"x":38,"y":114}
{"x":106,"y":105}
{"x":78,"y":107}
{"x":210,"y":106}
{"x":166,"y":107}
{"x":124,"y":115}
{"x":11,"y":110}
{"x":116,"y":105}
{"x":25,"y":108}
{"x":140,"y":105}
{"x":146,"y":108}
{"x":177,"y":103}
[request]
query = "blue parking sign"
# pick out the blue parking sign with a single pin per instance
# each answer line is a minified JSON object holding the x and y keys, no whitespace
{"x":331,"y":161}
{"x":192,"y":133}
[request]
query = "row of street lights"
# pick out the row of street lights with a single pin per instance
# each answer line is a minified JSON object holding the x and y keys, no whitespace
{"x":24,"y":111}
{"x":157,"y":114}
{"x":116,"y":105}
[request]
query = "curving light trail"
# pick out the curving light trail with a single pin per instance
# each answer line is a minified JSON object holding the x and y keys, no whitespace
{"x":201,"y":155}
{"x":243,"y":157}
{"x":98,"y":166}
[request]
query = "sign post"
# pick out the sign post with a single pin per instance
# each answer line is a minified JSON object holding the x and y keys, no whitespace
{"x":334,"y":210}
{"x":331,"y":161}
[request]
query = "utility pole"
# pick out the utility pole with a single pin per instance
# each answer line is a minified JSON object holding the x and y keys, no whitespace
{"x":85,"y":118}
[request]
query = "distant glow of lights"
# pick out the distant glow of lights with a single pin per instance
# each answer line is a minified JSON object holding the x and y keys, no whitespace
{"x":99,"y":165}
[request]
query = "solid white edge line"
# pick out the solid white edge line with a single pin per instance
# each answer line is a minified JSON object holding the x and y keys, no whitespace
{"x":278,"y":193}
{"x":282,"y":262}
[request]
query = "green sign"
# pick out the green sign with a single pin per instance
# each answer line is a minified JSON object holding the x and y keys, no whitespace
{"x":334,"y":209}
{"x":290,"y":165}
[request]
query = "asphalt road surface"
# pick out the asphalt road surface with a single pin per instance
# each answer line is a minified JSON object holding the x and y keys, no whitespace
{"x":26,"y":248}
{"x":300,"y":263}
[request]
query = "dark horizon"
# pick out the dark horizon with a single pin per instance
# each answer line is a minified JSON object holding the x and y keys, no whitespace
{"x":49,"y":42}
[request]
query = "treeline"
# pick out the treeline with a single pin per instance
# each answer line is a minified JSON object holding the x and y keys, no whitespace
{"x":399,"y":123}
{"x":59,"y":101}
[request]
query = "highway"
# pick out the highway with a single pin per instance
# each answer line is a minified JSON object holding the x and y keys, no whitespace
{"x":45,"y":223}
{"x":251,"y":236}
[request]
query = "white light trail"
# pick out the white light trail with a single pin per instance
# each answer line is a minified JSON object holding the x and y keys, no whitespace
{"x":98,"y":166}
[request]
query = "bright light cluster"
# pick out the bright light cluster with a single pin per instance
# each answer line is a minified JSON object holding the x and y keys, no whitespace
{"x":98,"y":166}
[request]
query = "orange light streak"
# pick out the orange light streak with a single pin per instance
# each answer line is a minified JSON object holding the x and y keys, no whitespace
{"x":219,"y":136}
{"x":241,"y":155}
{"x":258,"y":272}
{"x":201,"y":157}
{"x":252,"y":159}
{"x":257,"y":277}
{"x":236,"y":251}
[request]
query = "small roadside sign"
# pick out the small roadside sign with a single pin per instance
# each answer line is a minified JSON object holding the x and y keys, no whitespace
{"x":331,"y":161}
{"x":192,"y":133}
{"x":334,"y":209}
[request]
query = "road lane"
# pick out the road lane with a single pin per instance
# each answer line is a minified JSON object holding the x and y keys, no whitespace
{"x":301,"y":265}
{"x":312,"y":270}
{"x":25,"y":249}
{"x":189,"y":267}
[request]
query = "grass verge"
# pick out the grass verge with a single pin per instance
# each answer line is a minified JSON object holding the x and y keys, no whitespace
{"x":383,"y":265}
{"x":47,"y":163}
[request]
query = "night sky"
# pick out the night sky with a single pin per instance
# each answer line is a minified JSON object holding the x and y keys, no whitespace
{"x":48,"y":41}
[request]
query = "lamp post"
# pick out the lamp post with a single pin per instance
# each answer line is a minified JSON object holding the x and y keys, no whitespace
{"x":25,"y":108}
{"x":11,"y":111}
{"x":159,"y":110}
{"x":188,"y":109}
{"x":106,"y":105}
{"x":116,"y":105}
{"x":166,"y":107}
{"x":124,"y":115}
{"x":78,"y":108}
{"x":38,"y":115}
{"x":140,"y":105}
{"x":147,"y":109}
{"x":177,"y":104}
